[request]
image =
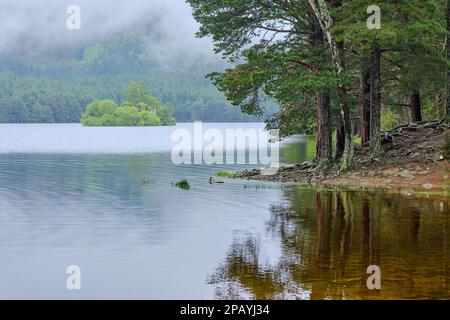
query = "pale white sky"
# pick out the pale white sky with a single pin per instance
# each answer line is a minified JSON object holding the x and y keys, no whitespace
{"x":41,"y":24}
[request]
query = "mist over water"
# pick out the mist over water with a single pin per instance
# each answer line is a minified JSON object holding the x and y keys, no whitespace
{"x":40,"y":25}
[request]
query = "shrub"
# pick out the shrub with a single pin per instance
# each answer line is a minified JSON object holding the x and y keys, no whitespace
{"x":98,"y":108}
{"x":183,"y":184}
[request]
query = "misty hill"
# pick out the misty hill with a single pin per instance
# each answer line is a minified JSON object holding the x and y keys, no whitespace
{"x":57,"y":85}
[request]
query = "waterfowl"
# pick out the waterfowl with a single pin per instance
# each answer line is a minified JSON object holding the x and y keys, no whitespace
{"x":145,"y":182}
{"x":212,"y":181}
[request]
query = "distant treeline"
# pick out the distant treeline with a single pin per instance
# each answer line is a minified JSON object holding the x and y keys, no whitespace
{"x":58,"y":87}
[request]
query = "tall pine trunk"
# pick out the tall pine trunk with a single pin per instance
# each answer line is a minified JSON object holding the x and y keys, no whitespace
{"x":375,"y":102}
{"x":364,"y":105}
{"x":347,"y":156}
{"x":447,"y":49}
{"x":415,"y":106}
{"x":323,"y":137}
{"x":340,"y":138}
{"x":347,"y":125}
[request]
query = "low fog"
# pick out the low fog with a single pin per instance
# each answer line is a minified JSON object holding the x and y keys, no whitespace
{"x":40,"y":25}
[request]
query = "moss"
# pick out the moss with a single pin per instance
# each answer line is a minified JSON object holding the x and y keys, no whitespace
{"x":183,"y":184}
{"x":347,"y":157}
{"x":357,"y":140}
{"x":442,"y":193}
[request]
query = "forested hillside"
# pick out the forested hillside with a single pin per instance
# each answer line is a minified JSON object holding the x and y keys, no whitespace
{"x":57,"y":86}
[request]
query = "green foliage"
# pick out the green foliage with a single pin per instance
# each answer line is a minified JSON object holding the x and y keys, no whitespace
{"x":225,"y":174}
{"x":390,"y":120}
{"x":99,"y":108}
{"x":273,"y":44}
{"x":288,"y":66}
{"x":137,"y":93}
{"x":93,"y":53}
{"x":164,"y":112}
{"x":139,"y":109}
{"x":183,"y":184}
{"x":293,"y":121}
{"x":411,"y":39}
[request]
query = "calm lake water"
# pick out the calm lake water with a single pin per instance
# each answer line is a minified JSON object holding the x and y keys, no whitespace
{"x":71,"y":195}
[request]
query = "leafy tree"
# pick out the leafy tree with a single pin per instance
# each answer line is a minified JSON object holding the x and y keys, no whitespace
{"x":137,"y":92}
{"x":99,"y":108}
{"x":139,"y":109}
{"x":165,"y":113}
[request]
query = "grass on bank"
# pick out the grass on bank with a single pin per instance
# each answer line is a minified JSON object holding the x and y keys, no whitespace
{"x":225,"y":174}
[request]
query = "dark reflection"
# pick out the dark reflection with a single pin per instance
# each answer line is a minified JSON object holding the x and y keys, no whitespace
{"x":414,"y":227}
{"x":328,"y":239}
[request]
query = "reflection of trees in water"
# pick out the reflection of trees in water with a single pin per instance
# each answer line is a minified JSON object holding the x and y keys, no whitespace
{"x":245,"y":274}
{"x":328,"y":239}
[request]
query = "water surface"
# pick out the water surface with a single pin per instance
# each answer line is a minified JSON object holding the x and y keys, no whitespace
{"x":75,"y":196}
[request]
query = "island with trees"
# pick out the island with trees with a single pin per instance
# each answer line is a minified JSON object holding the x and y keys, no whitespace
{"x":138,"y":109}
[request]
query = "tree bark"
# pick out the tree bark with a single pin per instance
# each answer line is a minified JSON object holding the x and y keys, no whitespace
{"x":355,"y":126}
{"x":447,"y":49}
{"x":347,"y":157}
{"x":364,"y":106}
{"x":340,"y":138}
{"x":323,"y":138}
{"x":375,"y":102}
{"x":415,"y":106}
{"x":323,"y":16}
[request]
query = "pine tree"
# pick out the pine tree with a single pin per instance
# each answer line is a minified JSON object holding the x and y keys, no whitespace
{"x":447,"y":56}
{"x":323,"y":15}
{"x":397,"y":51}
{"x":289,"y":64}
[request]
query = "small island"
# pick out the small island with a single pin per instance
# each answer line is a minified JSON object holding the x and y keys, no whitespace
{"x":138,"y":109}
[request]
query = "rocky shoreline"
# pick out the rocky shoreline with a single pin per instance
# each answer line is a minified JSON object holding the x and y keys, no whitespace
{"x":414,"y":157}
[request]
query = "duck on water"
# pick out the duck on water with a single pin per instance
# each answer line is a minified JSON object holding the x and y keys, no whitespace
{"x":212,"y":181}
